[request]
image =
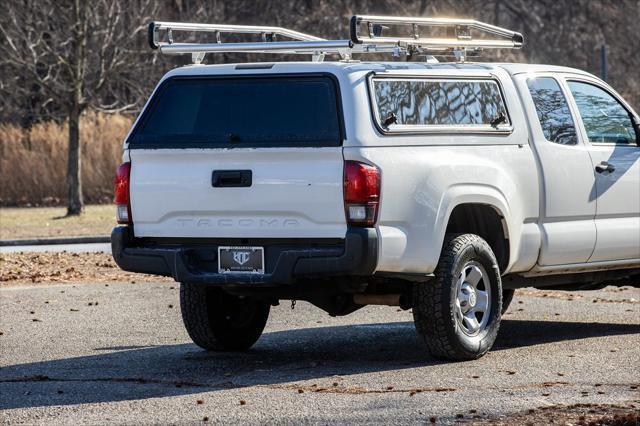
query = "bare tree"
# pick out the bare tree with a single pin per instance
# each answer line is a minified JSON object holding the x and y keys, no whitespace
{"x":60,"y":57}
{"x":78,"y":52}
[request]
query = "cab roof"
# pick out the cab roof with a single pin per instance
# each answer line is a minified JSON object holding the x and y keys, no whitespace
{"x":347,"y":67}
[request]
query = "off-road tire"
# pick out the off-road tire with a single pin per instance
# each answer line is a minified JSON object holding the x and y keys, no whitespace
{"x":507,"y":297}
{"x":435,"y":301}
{"x":218,"y":321}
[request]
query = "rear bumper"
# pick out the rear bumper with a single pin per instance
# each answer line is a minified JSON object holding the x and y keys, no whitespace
{"x":356,"y":256}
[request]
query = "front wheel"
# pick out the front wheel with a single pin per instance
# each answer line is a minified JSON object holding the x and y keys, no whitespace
{"x":458,"y":314}
{"x":218,"y":321}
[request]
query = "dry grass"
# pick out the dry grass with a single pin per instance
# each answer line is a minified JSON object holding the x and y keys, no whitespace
{"x":33,"y":162}
{"x":43,"y":222}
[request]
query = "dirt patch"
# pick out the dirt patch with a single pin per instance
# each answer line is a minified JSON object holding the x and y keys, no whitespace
{"x":22,"y":268}
{"x":568,"y":295}
{"x":355,"y":390}
{"x":551,"y":294}
{"x":577,"y":414}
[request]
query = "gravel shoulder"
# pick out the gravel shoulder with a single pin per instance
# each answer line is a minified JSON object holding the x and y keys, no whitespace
{"x":117,"y":353}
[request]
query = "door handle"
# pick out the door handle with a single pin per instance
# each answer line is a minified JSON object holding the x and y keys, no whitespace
{"x":231,"y":178}
{"x":604,"y":167}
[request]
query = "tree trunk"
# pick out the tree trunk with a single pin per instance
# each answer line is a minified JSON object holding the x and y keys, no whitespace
{"x":78,"y":60}
{"x":75,"y":203}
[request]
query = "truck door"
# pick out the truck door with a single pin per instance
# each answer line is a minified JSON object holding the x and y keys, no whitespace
{"x":607,"y":127}
{"x":567,"y":205}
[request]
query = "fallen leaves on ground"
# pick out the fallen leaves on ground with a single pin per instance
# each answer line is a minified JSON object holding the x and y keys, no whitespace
{"x":576,"y":414}
{"x":63,"y":267}
{"x":355,"y":390}
{"x":570,"y":296}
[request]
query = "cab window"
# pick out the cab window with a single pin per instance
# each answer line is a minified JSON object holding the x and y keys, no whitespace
{"x":604,"y":118}
{"x":553,"y":111}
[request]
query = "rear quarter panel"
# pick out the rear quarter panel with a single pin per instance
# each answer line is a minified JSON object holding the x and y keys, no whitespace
{"x":425,"y":176}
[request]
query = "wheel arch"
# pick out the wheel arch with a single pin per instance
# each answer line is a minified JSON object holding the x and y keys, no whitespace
{"x":482,"y":210}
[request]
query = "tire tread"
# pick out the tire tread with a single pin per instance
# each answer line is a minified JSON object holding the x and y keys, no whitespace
{"x":432,"y":315}
{"x":207,"y":331}
{"x":195,"y":315}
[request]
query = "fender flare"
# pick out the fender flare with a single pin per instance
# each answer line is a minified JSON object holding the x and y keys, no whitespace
{"x":471,"y":193}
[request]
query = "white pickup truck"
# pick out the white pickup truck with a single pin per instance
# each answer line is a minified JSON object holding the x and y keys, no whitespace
{"x":436,"y":187}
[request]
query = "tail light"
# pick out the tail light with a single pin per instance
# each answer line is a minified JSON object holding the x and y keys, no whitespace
{"x":361,"y":193}
{"x":123,"y":203}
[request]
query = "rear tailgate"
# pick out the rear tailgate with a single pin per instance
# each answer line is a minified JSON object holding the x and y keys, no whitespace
{"x":239,"y":157}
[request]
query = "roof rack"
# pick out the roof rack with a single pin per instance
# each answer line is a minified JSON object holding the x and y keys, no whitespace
{"x":458,"y":40}
{"x":417,"y":37}
{"x":299,"y":43}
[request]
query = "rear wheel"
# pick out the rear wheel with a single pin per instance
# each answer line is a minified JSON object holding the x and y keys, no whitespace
{"x":218,"y":321}
{"x":458,"y":314}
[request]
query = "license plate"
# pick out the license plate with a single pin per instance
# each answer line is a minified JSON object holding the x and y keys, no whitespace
{"x":241,"y":260}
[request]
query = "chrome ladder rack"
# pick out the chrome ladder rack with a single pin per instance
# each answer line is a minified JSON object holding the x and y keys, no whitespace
{"x":365,"y":37}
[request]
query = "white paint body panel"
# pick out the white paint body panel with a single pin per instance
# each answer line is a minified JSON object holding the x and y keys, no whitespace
{"x":542,"y":192}
{"x":296,"y":193}
{"x":425,"y":176}
{"x":567,"y":208}
{"x":618,"y":194}
{"x":581,"y":208}
{"x":412,"y":227}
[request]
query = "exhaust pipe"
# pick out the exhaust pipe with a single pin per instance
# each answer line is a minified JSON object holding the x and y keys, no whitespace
{"x":402,"y":300}
{"x":377,"y":299}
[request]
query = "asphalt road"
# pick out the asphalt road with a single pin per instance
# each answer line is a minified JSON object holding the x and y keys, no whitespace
{"x":96,"y":354}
